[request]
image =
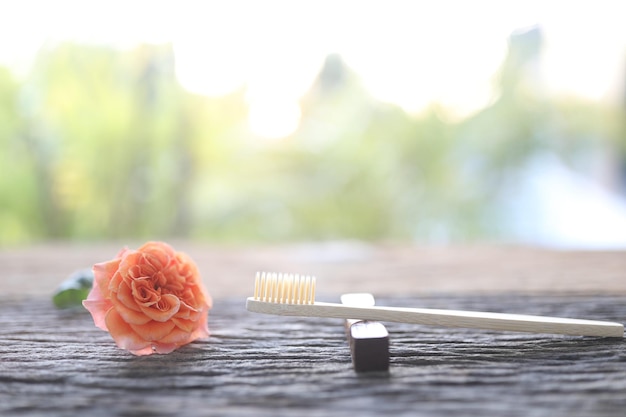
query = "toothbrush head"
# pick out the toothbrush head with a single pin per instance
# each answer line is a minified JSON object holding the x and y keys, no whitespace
{"x":284,"y":288}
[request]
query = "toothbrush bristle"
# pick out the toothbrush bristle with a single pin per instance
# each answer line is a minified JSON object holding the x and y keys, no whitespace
{"x":284,"y":288}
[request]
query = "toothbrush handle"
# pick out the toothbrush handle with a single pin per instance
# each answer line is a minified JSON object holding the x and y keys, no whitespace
{"x":446,"y":318}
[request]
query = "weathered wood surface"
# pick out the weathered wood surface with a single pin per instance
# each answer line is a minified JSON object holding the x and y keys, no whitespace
{"x":57,"y":363}
{"x":381,"y":269}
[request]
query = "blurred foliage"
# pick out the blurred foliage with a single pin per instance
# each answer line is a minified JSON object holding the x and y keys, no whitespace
{"x":98,"y":143}
{"x":75,"y":289}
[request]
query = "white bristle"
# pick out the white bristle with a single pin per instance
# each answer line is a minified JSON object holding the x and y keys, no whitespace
{"x":284,"y":288}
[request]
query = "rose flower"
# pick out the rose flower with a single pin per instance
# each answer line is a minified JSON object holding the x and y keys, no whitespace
{"x":151,"y":300}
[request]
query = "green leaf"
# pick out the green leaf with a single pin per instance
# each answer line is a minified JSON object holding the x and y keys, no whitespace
{"x":74,"y":289}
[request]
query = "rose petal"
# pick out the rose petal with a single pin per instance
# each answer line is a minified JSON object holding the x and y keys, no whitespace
{"x":194,"y":281}
{"x":116,"y":280}
{"x":195,"y":299}
{"x":158,"y":248}
{"x":143,"y":293}
{"x":186,"y":311}
{"x":98,"y":306}
{"x":158,"y":254}
{"x":103,"y":272}
{"x":186,"y":325}
{"x":125,"y":296}
{"x":128,"y":315}
{"x":207,"y":300}
{"x":184,"y":336}
{"x":177,"y":336}
{"x":95,"y":294}
{"x":174,"y":283}
{"x":98,"y":310}
{"x":153,"y":330}
{"x":123,"y":334}
{"x":164,"y":309}
{"x":202,"y":331}
{"x":134,"y":265}
{"x":135,"y":272}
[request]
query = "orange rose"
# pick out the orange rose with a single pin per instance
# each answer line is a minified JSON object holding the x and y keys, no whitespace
{"x":151,"y":300}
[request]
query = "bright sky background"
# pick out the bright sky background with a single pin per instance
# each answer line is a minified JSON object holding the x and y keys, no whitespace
{"x":406,"y":52}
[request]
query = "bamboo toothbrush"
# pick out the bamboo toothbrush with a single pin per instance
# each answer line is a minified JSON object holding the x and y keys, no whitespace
{"x":294,"y":295}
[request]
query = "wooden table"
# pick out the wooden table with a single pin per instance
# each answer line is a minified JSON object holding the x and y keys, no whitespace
{"x":55,"y":362}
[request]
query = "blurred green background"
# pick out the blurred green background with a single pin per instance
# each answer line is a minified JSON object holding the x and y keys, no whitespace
{"x":101,"y":142}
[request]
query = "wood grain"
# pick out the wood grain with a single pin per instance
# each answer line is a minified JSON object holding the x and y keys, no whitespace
{"x":57,"y":363}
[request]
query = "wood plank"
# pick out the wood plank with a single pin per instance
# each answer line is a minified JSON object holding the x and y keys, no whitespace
{"x":380,"y":269}
{"x":57,"y":363}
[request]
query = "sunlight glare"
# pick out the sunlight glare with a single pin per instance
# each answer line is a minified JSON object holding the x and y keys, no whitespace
{"x":407,"y":53}
{"x":273,"y":118}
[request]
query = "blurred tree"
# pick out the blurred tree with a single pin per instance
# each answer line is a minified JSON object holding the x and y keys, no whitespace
{"x":103,"y":143}
{"x":18,"y":187}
